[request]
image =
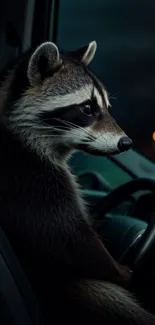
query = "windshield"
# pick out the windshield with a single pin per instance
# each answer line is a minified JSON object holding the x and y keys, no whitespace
{"x":125,"y":60}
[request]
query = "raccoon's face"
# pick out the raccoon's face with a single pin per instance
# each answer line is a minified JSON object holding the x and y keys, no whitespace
{"x":65,"y":106}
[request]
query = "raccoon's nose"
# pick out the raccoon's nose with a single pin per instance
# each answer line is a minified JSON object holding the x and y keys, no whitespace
{"x":124,"y":144}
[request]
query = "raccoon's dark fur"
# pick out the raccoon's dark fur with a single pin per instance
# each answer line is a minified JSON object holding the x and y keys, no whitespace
{"x":51,"y":104}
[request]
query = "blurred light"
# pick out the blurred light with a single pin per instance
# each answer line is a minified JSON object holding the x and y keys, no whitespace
{"x":153,"y":136}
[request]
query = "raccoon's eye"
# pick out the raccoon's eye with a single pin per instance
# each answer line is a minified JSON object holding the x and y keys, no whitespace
{"x":87,"y":110}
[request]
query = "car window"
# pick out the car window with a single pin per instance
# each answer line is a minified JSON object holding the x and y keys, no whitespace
{"x":125,"y":60}
{"x":108,"y":170}
{"x":15,"y":29}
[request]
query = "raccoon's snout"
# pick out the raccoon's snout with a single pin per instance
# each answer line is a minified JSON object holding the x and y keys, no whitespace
{"x":124,"y":144}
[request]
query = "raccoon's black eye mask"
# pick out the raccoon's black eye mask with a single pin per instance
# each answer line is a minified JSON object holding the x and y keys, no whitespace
{"x":83,"y":114}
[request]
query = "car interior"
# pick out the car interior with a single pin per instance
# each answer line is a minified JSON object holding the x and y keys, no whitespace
{"x":120,"y":190}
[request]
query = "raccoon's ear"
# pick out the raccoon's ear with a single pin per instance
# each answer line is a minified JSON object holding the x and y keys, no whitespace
{"x":44,"y":60}
{"x":85,"y":54}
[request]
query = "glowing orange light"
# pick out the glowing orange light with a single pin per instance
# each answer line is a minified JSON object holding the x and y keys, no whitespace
{"x":153,"y":136}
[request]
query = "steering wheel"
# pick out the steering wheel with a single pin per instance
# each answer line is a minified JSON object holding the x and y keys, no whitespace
{"x":141,"y":256}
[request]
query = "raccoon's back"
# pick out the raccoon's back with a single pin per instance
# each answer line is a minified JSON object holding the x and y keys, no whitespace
{"x":37,"y":208}
{"x":37,"y":211}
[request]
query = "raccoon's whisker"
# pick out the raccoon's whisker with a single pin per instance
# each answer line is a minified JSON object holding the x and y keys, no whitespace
{"x":58,"y":128}
{"x":27,"y":117}
{"x":46,"y":136}
{"x":76,"y":126}
{"x":65,"y":127}
{"x":55,"y":128}
{"x":114,"y":96}
{"x":52,"y":128}
{"x":68,"y":123}
{"x":57,"y":136}
{"x":27,"y":123}
{"x":81,"y":128}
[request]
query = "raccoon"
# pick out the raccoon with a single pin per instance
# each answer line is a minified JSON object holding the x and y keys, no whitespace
{"x":51,"y":104}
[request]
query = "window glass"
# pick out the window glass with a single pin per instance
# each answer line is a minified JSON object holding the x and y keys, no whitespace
{"x":113,"y":174}
{"x":125,"y":60}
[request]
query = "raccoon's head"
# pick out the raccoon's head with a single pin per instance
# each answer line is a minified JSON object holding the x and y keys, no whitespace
{"x":64,"y":106}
